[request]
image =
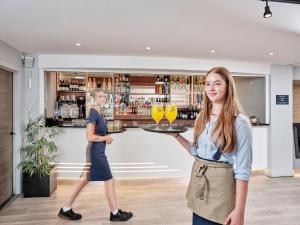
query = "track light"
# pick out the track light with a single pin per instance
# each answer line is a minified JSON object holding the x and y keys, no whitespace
{"x":267,"y":12}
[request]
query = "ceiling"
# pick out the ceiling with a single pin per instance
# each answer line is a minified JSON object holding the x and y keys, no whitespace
{"x":235,"y":29}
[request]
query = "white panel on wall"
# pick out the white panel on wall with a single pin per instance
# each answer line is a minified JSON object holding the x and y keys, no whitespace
{"x":280,"y":154}
{"x":131,"y":62}
{"x":296,"y":73}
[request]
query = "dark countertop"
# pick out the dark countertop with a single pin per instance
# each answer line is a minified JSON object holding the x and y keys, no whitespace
{"x":260,"y":125}
{"x":74,"y":126}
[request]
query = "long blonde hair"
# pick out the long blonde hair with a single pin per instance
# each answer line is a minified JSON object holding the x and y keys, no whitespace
{"x":224,"y":133}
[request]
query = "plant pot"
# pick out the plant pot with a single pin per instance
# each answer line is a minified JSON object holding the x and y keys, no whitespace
{"x":37,"y":186}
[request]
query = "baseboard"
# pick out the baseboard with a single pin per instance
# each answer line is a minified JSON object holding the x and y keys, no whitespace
{"x":274,"y":175}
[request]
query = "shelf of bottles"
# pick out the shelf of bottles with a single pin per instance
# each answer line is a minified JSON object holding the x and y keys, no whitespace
{"x":180,"y":90}
{"x":128,"y":96}
{"x":101,"y":85}
{"x":198,"y":90}
{"x":135,"y":98}
{"x":76,"y":94}
{"x":107,"y":108}
{"x":70,"y":97}
{"x":71,"y":85}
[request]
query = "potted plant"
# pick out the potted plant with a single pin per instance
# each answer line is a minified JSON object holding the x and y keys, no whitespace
{"x":39,"y":152}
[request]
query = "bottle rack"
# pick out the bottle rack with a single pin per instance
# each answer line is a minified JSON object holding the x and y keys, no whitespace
{"x":130,"y":96}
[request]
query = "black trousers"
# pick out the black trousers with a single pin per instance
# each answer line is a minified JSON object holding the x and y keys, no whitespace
{"x":198,"y":220}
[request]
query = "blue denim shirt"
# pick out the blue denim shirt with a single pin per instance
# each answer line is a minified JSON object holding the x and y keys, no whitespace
{"x":241,"y":157}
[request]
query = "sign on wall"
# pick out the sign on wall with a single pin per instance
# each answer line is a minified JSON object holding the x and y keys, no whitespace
{"x":282,"y":99}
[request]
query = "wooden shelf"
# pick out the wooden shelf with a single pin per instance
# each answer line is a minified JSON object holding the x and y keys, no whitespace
{"x":71,"y":91}
{"x":142,"y":81}
{"x":145,"y":117}
{"x":126,"y":93}
{"x":132,"y":117}
{"x":146,"y":94}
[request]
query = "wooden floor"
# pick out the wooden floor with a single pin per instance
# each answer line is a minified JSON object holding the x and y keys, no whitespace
{"x":272,"y":201}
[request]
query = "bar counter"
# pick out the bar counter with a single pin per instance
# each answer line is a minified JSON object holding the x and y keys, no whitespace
{"x":138,"y":153}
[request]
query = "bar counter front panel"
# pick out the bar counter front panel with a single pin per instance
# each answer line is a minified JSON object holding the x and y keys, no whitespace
{"x":137,"y":153}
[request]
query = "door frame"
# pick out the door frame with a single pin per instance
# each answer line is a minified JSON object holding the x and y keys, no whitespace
{"x":11,"y":85}
{"x":17,"y":121}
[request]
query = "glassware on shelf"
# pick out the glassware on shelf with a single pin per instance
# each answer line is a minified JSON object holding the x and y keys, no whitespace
{"x":117,"y":125}
{"x":56,"y":113}
{"x":65,"y":111}
{"x":74,"y":111}
{"x":110,"y":126}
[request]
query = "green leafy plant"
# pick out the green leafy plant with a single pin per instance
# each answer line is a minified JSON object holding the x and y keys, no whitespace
{"x":39,"y":149}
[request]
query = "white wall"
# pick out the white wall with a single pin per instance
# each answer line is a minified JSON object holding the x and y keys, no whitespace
{"x":296,"y":73}
{"x":91,"y":62}
{"x":10,"y":59}
{"x":280,"y":154}
{"x":50,"y":93}
{"x":251,"y":93}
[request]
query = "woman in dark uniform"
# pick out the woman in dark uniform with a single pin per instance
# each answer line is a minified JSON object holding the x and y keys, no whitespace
{"x":96,"y":134}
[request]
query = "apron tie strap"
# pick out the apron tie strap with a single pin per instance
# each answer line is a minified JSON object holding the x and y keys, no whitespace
{"x":202,"y":182}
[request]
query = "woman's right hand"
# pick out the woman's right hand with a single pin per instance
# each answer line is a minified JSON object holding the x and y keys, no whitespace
{"x":108,"y":139}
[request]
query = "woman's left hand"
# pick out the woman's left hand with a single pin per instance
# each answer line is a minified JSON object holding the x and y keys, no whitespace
{"x":236,"y":217}
{"x":171,"y":134}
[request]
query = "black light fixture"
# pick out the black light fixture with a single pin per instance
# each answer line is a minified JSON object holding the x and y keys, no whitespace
{"x":267,"y":12}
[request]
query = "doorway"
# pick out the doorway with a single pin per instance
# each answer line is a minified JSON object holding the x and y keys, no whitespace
{"x":6,"y":140}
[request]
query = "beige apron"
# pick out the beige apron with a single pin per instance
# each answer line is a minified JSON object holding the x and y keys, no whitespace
{"x":211,"y":191}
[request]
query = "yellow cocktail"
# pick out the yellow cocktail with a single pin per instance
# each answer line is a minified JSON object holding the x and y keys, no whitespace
{"x":171,"y":113}
{"x":157,"y":113}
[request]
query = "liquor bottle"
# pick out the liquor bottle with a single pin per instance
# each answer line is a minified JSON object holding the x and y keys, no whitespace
{"x":73,"y":85}
{"x":89,"y":84}
{"x":67,"y":85}
{"x":59,"y":85}
{"x":109,"y":85}
{"x":77,"y":85}
{"x":83,"y":86}
{"x":157,"y":78}
{"x":80,"y":84}
{"x":98,"y":85}
{"x":127,"y":86}
{"x":104,"y":84}
{"x":117,"y":88}
{"x":94,"y":84}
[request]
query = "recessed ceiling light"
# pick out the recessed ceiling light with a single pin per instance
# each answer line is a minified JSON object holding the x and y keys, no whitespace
{"x":78,"y":44}
{"x":271,"y":53}
{"x":148,"y":47}
{"x":212,"y":51}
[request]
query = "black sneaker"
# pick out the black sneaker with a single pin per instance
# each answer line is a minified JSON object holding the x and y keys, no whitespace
{"x":121,"y":216}
{"x":69,"y":215}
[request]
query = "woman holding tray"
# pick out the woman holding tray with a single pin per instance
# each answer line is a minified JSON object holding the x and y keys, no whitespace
{"x":96,"y":134}
{"x":217,"y":192}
